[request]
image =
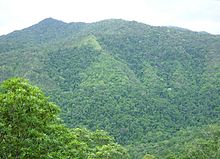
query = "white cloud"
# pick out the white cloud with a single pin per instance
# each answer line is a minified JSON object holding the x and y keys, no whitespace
{"x":198,"y":15}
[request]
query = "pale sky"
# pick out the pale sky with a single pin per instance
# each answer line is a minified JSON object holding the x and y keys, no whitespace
{"x":196,"y":15}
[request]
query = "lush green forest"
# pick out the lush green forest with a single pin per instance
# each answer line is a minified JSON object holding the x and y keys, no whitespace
{"x":156,"y":90}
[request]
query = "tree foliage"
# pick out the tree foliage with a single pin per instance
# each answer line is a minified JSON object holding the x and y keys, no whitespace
{"x":30,"y":128}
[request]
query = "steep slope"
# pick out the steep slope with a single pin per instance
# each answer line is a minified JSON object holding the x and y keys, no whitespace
{"x":109,"y":92}
{"x":141,"y":83}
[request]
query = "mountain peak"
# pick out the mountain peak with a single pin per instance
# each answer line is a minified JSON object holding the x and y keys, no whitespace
{"x":51,"y":21}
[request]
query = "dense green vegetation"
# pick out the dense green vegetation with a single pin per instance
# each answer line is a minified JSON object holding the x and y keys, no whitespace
{"x":151,"y":88}
{"x":188,"y":143}
{"x":30,"y":128}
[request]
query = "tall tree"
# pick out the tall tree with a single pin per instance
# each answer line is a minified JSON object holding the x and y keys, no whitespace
{"x":30,"y":128}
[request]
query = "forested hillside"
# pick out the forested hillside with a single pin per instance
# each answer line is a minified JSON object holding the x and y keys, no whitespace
{"x":154,"y":89}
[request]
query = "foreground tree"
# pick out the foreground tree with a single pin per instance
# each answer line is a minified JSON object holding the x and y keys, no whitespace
{"x":30,"y":128}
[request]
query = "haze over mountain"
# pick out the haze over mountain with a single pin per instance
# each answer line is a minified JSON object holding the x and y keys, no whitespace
{"x":147,"y":86}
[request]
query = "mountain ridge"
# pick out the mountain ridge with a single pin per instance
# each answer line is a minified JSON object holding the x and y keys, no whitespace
{"x":53,"y":21}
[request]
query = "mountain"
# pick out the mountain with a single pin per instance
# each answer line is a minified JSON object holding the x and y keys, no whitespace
{"x":142,"y":84}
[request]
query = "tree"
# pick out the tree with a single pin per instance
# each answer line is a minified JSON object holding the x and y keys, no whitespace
{"x":30,"y":128}
{"x":26,"y":117}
